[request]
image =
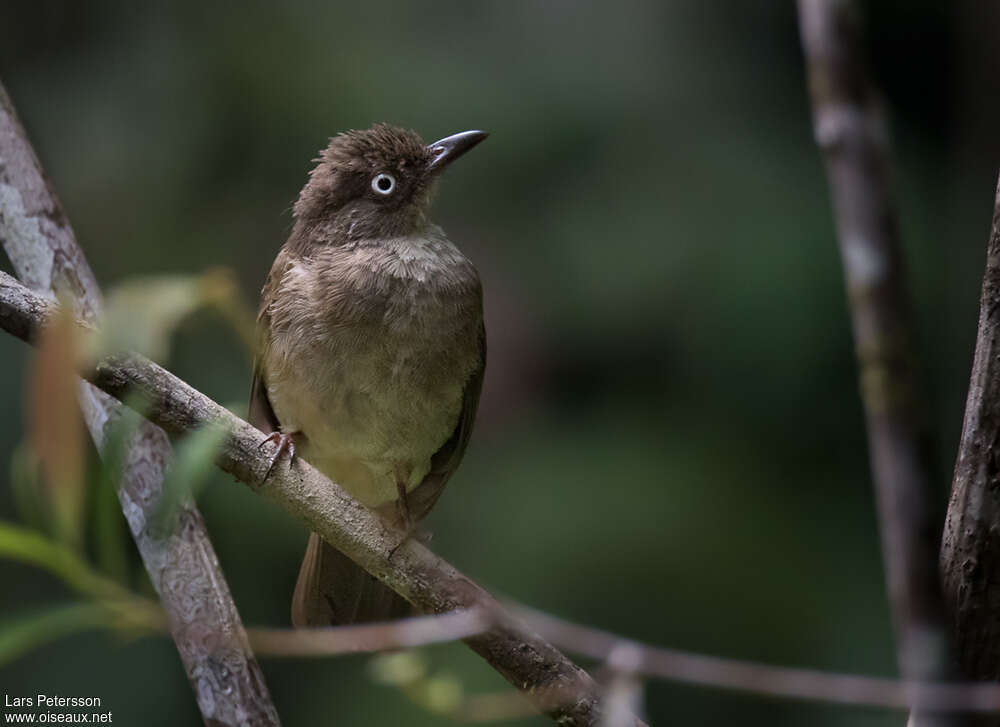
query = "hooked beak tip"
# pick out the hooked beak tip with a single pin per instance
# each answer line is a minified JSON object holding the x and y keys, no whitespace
{"x":450,"y":148}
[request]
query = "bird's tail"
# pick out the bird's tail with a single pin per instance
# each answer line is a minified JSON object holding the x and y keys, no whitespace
{"x":333,"y":590}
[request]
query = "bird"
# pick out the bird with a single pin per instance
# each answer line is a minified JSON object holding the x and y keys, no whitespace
{"x":370,"y":349}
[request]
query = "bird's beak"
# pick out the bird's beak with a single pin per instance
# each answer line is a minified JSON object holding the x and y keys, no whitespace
{"x":450,"y":148}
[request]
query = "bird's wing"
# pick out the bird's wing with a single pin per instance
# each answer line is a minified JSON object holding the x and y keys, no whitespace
{"x":446,"y":460}
{"x":261,"y":413}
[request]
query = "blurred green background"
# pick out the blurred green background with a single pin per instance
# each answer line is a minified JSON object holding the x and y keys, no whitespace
{"x":670,"y":443}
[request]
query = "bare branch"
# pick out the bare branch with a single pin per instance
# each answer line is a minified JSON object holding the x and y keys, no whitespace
{"x":400,"y":634}
{"x":527,"y":661}
{"x":623,"y":694}
{"x":634,"y":660}
{"x":182,"y":565}
{"x":970,"y":556}
{"x":764,"y":679}
{"x":851,"y":130}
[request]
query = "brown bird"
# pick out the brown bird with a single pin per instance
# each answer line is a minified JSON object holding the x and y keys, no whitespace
{"x":371,"y":348}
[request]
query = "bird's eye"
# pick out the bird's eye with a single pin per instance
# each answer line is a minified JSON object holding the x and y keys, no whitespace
{"x":383,"y":184}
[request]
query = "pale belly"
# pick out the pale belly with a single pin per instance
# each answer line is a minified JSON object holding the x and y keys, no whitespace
{"x":370,"y":350}
{"x":373,"y":409}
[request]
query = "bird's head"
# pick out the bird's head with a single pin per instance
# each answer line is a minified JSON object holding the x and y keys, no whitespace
{"x":378,"y":182}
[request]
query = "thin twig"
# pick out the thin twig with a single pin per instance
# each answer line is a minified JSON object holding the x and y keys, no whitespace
{"x":409,"y":568}
{"x":623,"y":693}
{"x":851,"y":130}
{"x":635,"y":659}
{"x":400,"y":634}
{"x":765,"y":679}
{"x":182,"y":565}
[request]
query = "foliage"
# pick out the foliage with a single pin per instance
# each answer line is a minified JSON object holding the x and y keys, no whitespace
{"x":72,"y":510}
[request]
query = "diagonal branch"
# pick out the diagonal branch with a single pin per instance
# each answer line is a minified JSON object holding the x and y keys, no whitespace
{"x":555,"y":684}
{"x":851,"y":130}
{"x":970,"y":556}
{"x":182,"y":565}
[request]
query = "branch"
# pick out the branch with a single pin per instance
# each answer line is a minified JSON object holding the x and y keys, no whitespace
{"x":182,"y":565}
{"x":526,"y":660}
{"x":399,"y":634}
{"x":642,"y":660}
{"x":766,"y":679}
{"x":970,"y":558}
{"x":852,"y":133}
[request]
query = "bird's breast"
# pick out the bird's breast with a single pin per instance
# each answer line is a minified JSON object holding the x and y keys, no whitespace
{"x":369,"y":354}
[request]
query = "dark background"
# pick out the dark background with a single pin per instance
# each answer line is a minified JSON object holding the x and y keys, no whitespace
{"x":670,"y":443}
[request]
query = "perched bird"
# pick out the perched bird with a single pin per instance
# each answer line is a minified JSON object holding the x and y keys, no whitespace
{"x":371,"y":348}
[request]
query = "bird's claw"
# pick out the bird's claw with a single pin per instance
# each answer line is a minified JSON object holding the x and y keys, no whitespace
{"x":404,"y":519}
{"x":286,"y":443}
{"x":412,"y":532}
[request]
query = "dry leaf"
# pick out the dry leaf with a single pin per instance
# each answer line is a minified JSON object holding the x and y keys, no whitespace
{"x":55,"y":425}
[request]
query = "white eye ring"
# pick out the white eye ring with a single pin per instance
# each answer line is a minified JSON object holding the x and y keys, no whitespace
{"x":383,"y":184}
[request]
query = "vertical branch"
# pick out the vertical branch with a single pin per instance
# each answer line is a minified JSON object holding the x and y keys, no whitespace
{"x":970,"y":554}
{"x":851,"y":130}
{"x":182,"y":565}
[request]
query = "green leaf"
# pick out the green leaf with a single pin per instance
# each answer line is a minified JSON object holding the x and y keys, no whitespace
{"x":34,"y":548}
{"x":193,"y":461}
{"x":25,"y":484}
{"x":108,"y":521}
{"x":21,"y":634}
{"x":109,"y":533}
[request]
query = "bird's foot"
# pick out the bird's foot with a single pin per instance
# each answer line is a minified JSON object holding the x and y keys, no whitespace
{"x":411,"y":532}
{"x":403,"y":519}
{"x":405,"y":522}
{"x":286,"y":443}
